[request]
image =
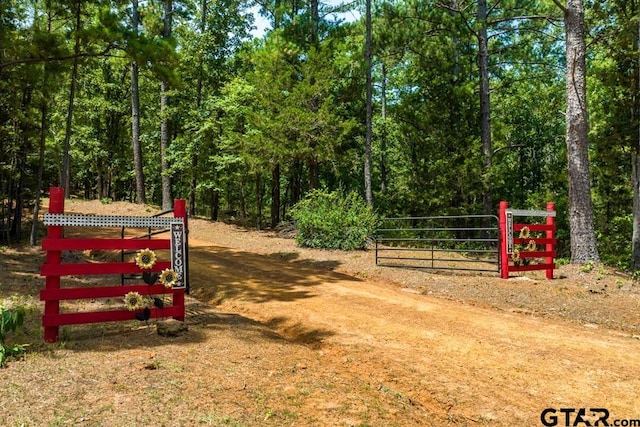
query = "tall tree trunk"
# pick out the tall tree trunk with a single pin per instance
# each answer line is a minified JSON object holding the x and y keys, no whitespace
{"x":581,"y":224}
{"x":87,"y":188}
{"x":66,"y":163}
{"x":635,"y":238}
{"x":215,"y":204}
{"x":315,"y":102}
{"x":485,"y":107}
{"x":383,"y":136}
{"x":193,"y":183}
{"x":44,"y":107}
{"x":25,"y":128}
{"x":368,"y":192}
{"x":275,"y":171}
{"x":635,"y":166}
{"x":243,"y":196}
{"x":283,"y":213}
{"x":296,"y":184}
{"x":43,"y":138}
{"x":141,"y":197}
{"x":259,"y":199}
{"x":165,"y":135}
{"x":315,"y":18}
{"x":314,"y":180}
{"x":16,"y":227}
{"x":277,"y":14}
{"x":275,"y":195}
{"x":9,"y":198}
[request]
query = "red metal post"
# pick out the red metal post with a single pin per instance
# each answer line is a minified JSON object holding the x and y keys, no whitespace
{"x":504,"y":256}
{"x":180,"y":211}
{"x":52,"y":307}
{"x":550,"y":235}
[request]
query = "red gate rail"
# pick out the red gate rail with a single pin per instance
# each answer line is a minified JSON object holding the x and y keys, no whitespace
{"x":53,"y":269}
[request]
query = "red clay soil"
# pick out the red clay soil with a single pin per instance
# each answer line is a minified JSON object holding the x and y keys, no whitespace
{"x":281,"y":335}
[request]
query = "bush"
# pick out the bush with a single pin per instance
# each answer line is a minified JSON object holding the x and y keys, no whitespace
{"x":10,"y":321}
{"x":333,"y":220}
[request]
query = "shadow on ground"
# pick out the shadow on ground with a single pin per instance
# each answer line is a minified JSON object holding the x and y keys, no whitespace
{"x":218,"y":274}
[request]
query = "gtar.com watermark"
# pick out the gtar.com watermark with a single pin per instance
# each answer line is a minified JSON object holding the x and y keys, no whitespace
{"x":585,"y":417}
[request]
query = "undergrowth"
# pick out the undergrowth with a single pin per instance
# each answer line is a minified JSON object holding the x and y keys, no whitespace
{"x":334,"y":220}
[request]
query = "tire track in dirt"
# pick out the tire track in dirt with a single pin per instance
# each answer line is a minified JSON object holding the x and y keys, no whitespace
{"x":458,"y":362}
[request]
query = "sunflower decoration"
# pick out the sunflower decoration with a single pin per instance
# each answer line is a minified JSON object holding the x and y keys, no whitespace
{"x":515,"y":256}
{"x":525,"y":232}
{"x":145,"y":259}
{"x":168,"y":278}
{"x":531,"y":246}
{"x":133,"y":301}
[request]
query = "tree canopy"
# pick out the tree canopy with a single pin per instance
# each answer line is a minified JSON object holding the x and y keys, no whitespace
{"x":470,"y":105}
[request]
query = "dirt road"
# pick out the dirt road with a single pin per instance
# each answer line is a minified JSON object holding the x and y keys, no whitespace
{"x":453,"y":362}
{"x":280,"y":335}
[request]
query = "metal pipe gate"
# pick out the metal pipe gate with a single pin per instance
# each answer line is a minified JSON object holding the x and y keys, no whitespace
{"x":455,"y":242}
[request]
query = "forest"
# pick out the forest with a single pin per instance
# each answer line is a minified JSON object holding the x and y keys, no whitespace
{"x":423,"y":107}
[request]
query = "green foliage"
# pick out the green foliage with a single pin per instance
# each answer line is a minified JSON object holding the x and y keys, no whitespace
{"x":613,"y":124}
{"x":10,"y":321}
{"x":588,"y":267}
{"x":613,"y":240}
{"x":258,"y":122}
{"x":334,"y":220}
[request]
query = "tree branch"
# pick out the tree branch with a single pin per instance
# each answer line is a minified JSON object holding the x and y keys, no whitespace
{"x":105,"y":52}
{"x":524,"y":18}
{"x":560,"y":5}
{"x":459,"y":12}
{"x":506,"y":147}
{"x":491,"y":9}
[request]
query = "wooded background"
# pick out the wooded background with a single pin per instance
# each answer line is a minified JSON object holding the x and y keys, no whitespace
{"x":424,"y":107}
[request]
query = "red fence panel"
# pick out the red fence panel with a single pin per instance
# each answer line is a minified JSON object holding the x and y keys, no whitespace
{"x":53,"y":270}
{"x":514,"y":259}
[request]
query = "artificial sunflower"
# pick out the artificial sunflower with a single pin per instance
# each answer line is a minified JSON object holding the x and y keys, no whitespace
{"x":133,"y":301}
{"x":531,"y":246}
{"x":525,"y":232}
{"x":168,"y":278}
{"x":145,"y":259}
{"x":515,"y":256}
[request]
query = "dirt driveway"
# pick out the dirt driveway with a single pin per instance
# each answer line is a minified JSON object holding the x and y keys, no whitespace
{"x":281,"y":335}
{"x":452,"y":362}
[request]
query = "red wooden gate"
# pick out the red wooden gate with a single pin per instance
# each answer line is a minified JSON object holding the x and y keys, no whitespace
{"x":516,"y":253}
{"x":54,"y":269}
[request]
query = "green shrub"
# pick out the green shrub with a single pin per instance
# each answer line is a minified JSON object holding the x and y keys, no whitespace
{"x":10,"y":321}
{"x":333,"y":220}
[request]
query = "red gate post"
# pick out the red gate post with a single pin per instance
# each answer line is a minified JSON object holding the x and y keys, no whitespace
{"x":504,"y":256}
{"x":550,"y":234}
{"x":52,"y":307}
{"x":180,"y":211}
